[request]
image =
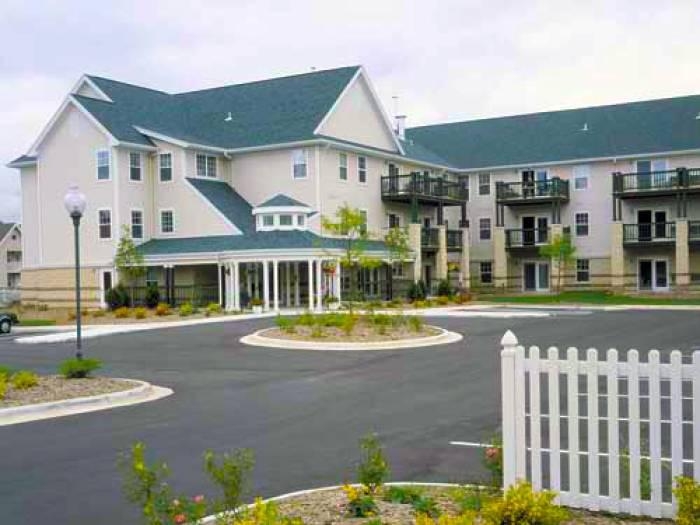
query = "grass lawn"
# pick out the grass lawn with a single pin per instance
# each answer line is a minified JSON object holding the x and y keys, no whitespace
{"x":37,"y":322}
{"x":591,"y":297}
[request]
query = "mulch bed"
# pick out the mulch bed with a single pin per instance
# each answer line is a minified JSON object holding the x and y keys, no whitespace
{"x":329,"y":508}
{"x":361,"y":333}
{"x":57,"y":388}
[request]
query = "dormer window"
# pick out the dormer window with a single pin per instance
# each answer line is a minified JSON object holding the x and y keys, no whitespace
{"x":281,"y":213}
{"x":206,"y":166}
{"x":268,"y":221}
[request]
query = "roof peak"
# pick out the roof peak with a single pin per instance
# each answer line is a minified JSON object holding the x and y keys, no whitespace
{"x":128,"y":84}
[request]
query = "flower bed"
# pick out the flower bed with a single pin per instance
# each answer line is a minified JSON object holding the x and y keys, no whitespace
{"x":57,"y":388}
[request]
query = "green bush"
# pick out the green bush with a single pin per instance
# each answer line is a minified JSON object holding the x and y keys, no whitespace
{"x":214,"y":308}
{"x":162,"y":309}
{"x":307,"y":319}
{"x":286,"y":324}
{"x":3,"y":387}
{"x":687,"y":492}
{"x":98,"y":313}
{"x":117,"y":297}
{"x":349,"y":322}
{"x":471,"y":498}
{"x":186,"y":310}
{"x":521,"y":504}
{"x":317,"y":331}
{"x":140,"y":313}
{"x":417,"y":291}
{"x":415,"y":323}
{"x":6,"y":372}
{"x":230,"y":472}
{"x":256,"y":301}
{"x":78,"y":368}
{"x":24,"y":380}
{"x":427,"y":506}
{"x":152,"y":295}
{"x":361,"y":503}
{"x":122,"y":312}
{"x":420,"y":304}
{"x":406,"y":495}
{"x":442,"y":300}
{"x":373,"y":469}
{"x":444,"y":288}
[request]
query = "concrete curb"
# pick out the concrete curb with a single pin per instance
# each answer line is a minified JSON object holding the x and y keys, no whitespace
{"x":444,"y":337}
{"x":141,"y":393}
{"x":212,"y":518}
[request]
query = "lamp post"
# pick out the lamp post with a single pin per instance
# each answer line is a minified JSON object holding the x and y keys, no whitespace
{"x":75,"y":202}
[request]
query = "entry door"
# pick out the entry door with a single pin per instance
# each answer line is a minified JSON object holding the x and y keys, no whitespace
{"x":528,"y":231}
{"x":535,"y":276}
{"x":644,"y":225}
{"x":105,"y":285}
{"x":542,"y":230}
{"x":660,"y":274}
{"x":659,"y":224}
{"x":653,"y":274}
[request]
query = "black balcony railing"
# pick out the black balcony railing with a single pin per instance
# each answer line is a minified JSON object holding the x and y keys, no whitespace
{"x":540,"y":190}
{"x":649,"y":232}
{"x":656,"y":181}
{"x":422,"y":185}
{"x":527,"y":237}
{"x":454,"y":239}
{"x":429,"y":238}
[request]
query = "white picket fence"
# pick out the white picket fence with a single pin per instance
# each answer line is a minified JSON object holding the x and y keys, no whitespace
{"x":605,"y":434}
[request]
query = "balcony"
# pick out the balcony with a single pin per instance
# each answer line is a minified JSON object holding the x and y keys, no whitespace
{"x":648,"y":234}
{"x":694,"y":231}
{"x":656,"y":183}
{"x":429,"y":238}
{"x":534,"y":192}
{"x":454,"y":240}
{"x":426,"y":189}
{"x":526,"y":239}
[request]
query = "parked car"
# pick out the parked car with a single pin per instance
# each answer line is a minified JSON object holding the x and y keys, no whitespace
{"x":6,"y":322}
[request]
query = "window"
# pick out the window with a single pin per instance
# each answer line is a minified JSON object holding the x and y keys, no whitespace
{"x":362,"y":170}
{"x":363,"y":214}
{"x":13,"y":280}
{"x":206,"y":166}
{"x":581,"y":176}
{"x":165,"y":161}
{"x":105,"y":223}
{"x":582,"y":224}
{"x":285,"y":220}
{"x":485,"y":229}
{"x":167,"y":221}
{"x":426,"y":222}
{"x":486,"y":272}
{"x":136,"y":224}
{"x":343,"y":166}
{"x":14,"y":256}
{"x":151,"y":276}
{"x":268,"y":220}
{"x":484,"y":183}
{"x":299,"y":164}
{"x":394,"y":220}
{"x":135,"y":167}
{"x":583,"y":270}
{"x":301,"y":220}
{"x":103,"y":164}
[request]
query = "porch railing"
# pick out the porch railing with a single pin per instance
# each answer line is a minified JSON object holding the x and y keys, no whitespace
{"x":424,"y":185}
{"x":643,"y":181}
{"x":522,"y":238}
{"x":454,"y":239}
{"x":555,"y":188}
{"x":429,"y":238}
{"x":197,"y":295}
{"x":649,"y":232}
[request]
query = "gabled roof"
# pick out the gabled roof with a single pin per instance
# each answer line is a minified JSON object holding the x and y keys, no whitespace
{"x":228,"y":201}
{"x":22,"y":161}
{"x":281,"y":200}
{"x":654,"y":126}
{"x":5,"y":229}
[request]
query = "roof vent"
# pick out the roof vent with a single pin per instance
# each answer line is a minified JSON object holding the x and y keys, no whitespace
{"x":229,"y":117}
{"x":585,"y":126}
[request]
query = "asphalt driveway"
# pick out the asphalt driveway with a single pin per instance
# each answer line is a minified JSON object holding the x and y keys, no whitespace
{"x":302,"y":412}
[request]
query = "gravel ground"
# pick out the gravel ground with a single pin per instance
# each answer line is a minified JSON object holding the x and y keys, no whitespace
{"x":361,"y":333}
{"x":56,"y":388}
{"x":329,"y":508}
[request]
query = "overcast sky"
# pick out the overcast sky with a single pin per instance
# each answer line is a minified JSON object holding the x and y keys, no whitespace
{"x":446,"y":60}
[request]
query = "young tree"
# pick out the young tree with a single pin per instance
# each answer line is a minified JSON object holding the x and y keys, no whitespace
{"x":350,"y":224}
{"x":396,"y":241}
{"x":128,"y":260}
{"x":561,"y":250}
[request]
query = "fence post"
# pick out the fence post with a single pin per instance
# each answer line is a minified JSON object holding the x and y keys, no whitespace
{"x":509,"y":343}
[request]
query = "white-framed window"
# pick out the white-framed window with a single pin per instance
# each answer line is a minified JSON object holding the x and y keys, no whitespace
{"x":14,"y":256}
{"x":582,"y":224}
{"x":167,"y":221}
{"x":582,"y":175}
{"x":103,"y":171}
{"x":486,"y":272}
{"x":583,"y":270}
{"x":301,"y":220}
{"x":165,"y":167}
{"x":299,"y":168}
{"x":363,"y":214}
{"x":104,"y":223}
{"x":268,"y":220}
{"x":393,"y":220}
{"x":13,"y":280}
{"x":343,"y":166}
{"x":362,"y":170}
{"x":484,"y":183}
{"x":485,"y":229}
{"x":135,"y":166}
{"x":206,"y":166}
{"x":136,"y":224}
{"x":285,"y":219}
{"x":152,"y":276}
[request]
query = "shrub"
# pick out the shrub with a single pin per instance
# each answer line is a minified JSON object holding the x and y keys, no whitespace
{"x":286,"y":324}
{"x":468,"y":518}
{"x":145,"y":484}
{"x":214,"y":308}
{"x":78,"y":368}
{"x":262,"y":513}
{"x":122,"y":312}
{"x":71,"y":316}
{"x":687,"y":492}
{"x":470,"y":498}
{"x":3,"y":387}
{"x":307,"y":319}
{"x":152,"y":295}
{"x":317,"y":331}
{"x":521,"y":504}
{"x":98,"y":313}
{"x":230,"y":472}
{"x":140,"y":313}
{"x":442,"y":300}
{"x":373,"y":470}
{"x":417,"y":291}
{"x":420,"y":304}
{"x":444,"y":288}
{"x":117,"y":297}
{"x":463,"y":297}
{"x":361,"y":504}
{"x":186,"y":310}
{"x":415,"y":323}
{"x":493,"y":461}
{"x":349,"y":322}
{"x":426,"y":505}
{"x":406,"y":495}
{"x":24,"y":380}
{"x":256,"y":301}
{"x":162,"y":309}
{"x":6,"y":372}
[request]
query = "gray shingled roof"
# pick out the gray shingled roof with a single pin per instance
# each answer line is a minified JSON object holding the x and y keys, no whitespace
{"x":281,"y":200}
{"x":228,"y":201}
{"x":615,"y":130}
{"x":5,"y":228}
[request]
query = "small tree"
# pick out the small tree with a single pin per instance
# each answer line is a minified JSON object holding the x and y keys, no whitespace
{"x":350,"y":224}
{"x":396,"y":241}
{"x":561,"y":250}
{"x":128,"y":260}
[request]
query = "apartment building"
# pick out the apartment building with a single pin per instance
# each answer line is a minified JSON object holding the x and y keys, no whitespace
{"x":224,"y":189}
{"x":10,"y":262}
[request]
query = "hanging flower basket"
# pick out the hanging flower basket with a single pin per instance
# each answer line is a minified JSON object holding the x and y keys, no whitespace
{"x":328,"y":268}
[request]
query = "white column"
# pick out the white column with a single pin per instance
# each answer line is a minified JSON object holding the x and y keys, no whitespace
{"x":288,"y":284}
{"x":228,"y":280}
{"x":218,"y":280}
{"x":297,"y":285}
{"x":276,"y":285}
{"x":338,"y":279}
{"x":319,"y":285}
{"x":266,"y":284}
{"x":235,"y":286}
{"x":248,"y":281}
{"x":311,"y":284}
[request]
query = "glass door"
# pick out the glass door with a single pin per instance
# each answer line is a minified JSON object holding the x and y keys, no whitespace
{"x":660,"y":275}
{"x":530,"y":277}
{"x":528,"y":231}
{"x":542,"y":230}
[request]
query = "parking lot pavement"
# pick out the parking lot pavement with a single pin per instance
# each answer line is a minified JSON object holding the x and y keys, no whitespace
{"x":302,"y":412}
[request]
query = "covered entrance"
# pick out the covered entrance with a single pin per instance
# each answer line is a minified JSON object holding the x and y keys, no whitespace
{"x":653,"y":275}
